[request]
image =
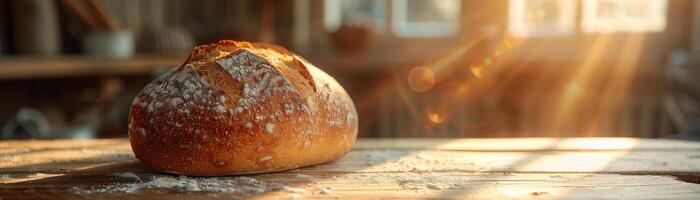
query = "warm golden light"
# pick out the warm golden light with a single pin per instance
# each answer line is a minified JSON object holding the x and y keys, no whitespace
{"x":435,"y":118}
{"x":507,"y":44}
{"x":477,"y":71}
{"x":421,"y":79}
{"x":463,"y":88}
{"x":572,"y":89}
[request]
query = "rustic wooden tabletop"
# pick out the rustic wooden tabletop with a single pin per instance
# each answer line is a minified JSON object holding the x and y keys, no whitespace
{"x":527,"y":168}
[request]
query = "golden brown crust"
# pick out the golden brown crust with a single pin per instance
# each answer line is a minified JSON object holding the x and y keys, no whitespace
{"x":237,"y":108}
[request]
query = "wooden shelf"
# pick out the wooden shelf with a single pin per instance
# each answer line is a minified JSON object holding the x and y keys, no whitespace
{"x":28,"y":67}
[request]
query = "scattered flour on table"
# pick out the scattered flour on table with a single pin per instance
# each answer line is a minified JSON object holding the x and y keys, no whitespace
{"x":288,"y":189}
{"x":326,"y":190}
{"x":127,"y":175}
{"x":192,"y":184}
{"x":429,"y":181}
{"x":304,"y":177}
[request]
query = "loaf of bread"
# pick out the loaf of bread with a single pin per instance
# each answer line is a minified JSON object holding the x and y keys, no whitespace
{"x":240,"y":108}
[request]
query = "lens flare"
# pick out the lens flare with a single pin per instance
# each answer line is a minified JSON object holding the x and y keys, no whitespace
{"x":488,"y":61}
{"x":435,"y":118}
{"x":507,"y":44}
{"x":421,"y":79}
{"x":477,"y":71}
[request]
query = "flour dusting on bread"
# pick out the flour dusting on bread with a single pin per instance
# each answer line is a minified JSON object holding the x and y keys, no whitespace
{"x":237,"y":107}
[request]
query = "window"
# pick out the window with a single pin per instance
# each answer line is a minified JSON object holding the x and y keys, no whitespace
{"x":410,"y":18}
{"x":541,"y":18}
{"x":338,"y":12}
{"x":624,"y":16}
{"x":426,"y":18}
{"x":548,"y":18}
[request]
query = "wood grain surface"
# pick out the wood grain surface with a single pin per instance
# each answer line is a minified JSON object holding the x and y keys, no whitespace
{"x":527,"y":168}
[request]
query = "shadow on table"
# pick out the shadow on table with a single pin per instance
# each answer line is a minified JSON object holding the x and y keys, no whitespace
{"x":60,"y":184}
{"x":76,"y":147}
{"x":58,"y":178}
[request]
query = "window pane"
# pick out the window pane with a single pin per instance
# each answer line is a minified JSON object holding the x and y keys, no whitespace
{"x":354,"y":12}
{"x":541,"y":18}
{"x":426,"y":18}
{"x":624,"y":15}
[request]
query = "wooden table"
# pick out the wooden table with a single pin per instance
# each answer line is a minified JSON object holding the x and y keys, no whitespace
{"x":528,"y":168}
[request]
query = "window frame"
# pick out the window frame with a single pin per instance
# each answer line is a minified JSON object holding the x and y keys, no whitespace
{"x":565,"y":26}
{"x":400,"y":26}
{"x":338,"y":16}
{"x":590,"y":24}
{"x":583,"y":23}
{"x":386,"y":39}
{"x":489,"y":19}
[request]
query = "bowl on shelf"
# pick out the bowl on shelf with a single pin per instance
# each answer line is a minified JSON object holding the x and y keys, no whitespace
{"x":118,"y":44}
{"x":353,"y":37}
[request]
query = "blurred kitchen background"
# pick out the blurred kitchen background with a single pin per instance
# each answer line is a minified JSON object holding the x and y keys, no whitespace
{"x":415,"y":68}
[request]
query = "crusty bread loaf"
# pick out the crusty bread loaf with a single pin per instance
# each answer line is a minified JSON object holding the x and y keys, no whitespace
{"x":239,"y":108}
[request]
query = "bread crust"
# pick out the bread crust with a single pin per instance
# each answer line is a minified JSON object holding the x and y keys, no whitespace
{"x":240,"y":108}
